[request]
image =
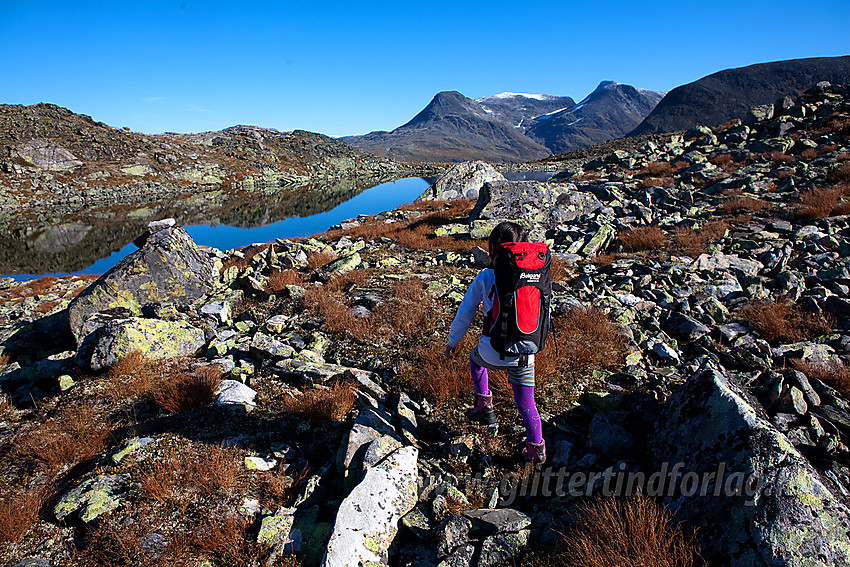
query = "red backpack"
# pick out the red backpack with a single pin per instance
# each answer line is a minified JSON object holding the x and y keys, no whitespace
{"x":518,"y":323}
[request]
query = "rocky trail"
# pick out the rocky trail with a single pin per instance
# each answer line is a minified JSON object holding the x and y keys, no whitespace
{"x":290,"y":404}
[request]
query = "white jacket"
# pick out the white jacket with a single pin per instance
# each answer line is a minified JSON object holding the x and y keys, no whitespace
{"x":478,"y":294}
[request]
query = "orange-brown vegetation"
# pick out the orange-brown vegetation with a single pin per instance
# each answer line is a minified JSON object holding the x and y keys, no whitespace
{"x":603,"y":259}
{"x":779,"y":157}
{"x":20,"y":511}
{"x":175,"y":476}
{"x":823,"y":202}
{"x":642,"y":238}
{"x":558,"y":271}
{"x":316,"y":260}
{"x":783,"y":321}
{"x":744,"y":204}
{"x":277,"y":488}
{"x":185,"y":391}
{"x":834,"y":373}
{"x":839,"y":174}
{"x":809,"y":153}
{"x":227,"y":539}
{"x":583,"y":338}
{"x":612,"y":532}
{"x":323,"y":404}
{"x":75,"y":434}
{"x":694,"y":242}
{"x":248,"y":254}
{"x":135,"y":376}
{"x":417,"y":232}
{"x":725,"y":162}
{"x":407,"y":312}
{"x":279,"y":279}
{"x":437,"y":376}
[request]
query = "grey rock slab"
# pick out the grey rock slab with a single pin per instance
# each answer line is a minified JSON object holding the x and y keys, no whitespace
{"x":608,"y":438}
{"x":499,"y":521}
{"x":461,"y":181}
{"x":368,"y":518}
{"x":269,"y":347}
{"x":232,"y":392}
{"x":92,"y":498}
{"x":793,"y":515}
{"x":684,"y":327}
{"x":502,"y":548}
{"x":168,"y":268}
{"x":154,"y":338}
{"x":453,"y":534}
{"x":542,"y":205}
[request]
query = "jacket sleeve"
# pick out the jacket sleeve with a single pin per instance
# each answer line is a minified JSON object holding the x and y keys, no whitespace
{"x":467,"y":310}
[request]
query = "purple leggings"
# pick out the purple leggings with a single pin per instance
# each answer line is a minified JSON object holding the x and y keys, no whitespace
{"x":523,"y":397}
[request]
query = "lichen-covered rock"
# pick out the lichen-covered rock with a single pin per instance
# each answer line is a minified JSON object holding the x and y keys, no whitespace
{"x":154,"y":338}
{"x":168,"y":268}
{"x":544,"y":205}
{"x":461,"y":181}
{"x":231,"y":392}
{"x":368,"y":518}
{"x":92,"y":498}
{"x":770,"y":507}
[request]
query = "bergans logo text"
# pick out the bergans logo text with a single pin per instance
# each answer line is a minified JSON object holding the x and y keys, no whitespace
{"x":530,"y":277}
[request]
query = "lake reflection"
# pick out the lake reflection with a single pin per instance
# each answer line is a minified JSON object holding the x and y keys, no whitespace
{"x":93,"y":244}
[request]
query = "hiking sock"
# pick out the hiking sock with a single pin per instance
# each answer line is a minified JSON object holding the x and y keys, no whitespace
{"x":524,"y":399}
{"x":480,"y":383}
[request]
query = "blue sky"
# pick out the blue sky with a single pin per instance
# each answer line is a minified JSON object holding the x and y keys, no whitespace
{"x":352,"y":67}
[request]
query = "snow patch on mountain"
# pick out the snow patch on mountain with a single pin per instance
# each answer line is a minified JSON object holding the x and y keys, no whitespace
{"x":514,"y":95}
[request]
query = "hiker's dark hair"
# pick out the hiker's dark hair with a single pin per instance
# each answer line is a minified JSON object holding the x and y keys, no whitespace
{"x":507,"y":231}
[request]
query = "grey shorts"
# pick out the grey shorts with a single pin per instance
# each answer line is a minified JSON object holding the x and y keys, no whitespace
{"x":519,"y":375}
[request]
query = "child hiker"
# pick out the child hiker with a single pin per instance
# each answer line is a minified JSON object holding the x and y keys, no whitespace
{"x":484,"y":356}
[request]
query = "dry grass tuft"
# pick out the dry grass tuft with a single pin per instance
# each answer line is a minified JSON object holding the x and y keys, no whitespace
{"x":75,"y":434}
{"x":135,"y":376}
{"x":744,"y":205}
{"x":783,"y":321}
{"x":642,"y":238}
{"x":834,"y":373}
{"x":174,"y":477}
{"x":840,"y":174}
{"x":279,"y":489}
{"x":724,"y":162}
{"x":558,"y":271}
{"x":779,"y":157}
{"x":316,"y":260}
{"x":809,"y":153}
{"x":227,"y":538}
{"x":694,"y":242}
{"x":583,"y":338}
{"x":248,"y":254}
{"x":823,"y":202}
{"x":186,"y":391}
{"x":438,"y":377}
{"x":613,"y":532}
{"x":324,"y":404}
{"x":20,"y":511}
{"x":279,"y":279}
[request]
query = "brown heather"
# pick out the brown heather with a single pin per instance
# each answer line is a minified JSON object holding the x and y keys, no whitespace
{"x":20,"y":511}
{"x":323,"y":404}
{"x":279,"y":489}
{"x":226,"y":537}
{"x":186,"y":391}
{"x":694,"y":242}
{"x":809,"y":153}
{"x":177,"y":475}
{"x":840,"y":174}
{"x":279,"y":279}
{"x":437,"y":376}
{"x":834,"y":373}
{"x":615,"y":532}
{"x":744,"y":204}
{"x":642,"y":238}
{"x":248,"y":254}
{"x":316,"y":260}
{"x":583,"y":338}
{"x":823,"y":202}
{"x":783,"y":321}
{"x":75,"y":434}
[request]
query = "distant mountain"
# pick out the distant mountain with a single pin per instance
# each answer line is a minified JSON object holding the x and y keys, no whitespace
{"x":728,"y":94}
{"x":611,"y":111}
{"x":510,"y":127}
{"x":452,"y":128}
{"x":519,"y":109}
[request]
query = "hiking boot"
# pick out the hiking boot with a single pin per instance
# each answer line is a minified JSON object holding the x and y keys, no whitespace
{"x":482,"y":411}
{"x":534,"y":453}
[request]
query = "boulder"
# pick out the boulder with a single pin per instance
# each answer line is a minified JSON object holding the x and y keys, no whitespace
{"x":92,"y":498}
{"x":154,"y":338}
{"x":168,"y":268}
{"x":368,"y":518}
{"x":461,"y":181}
{"x":536,"y":204}
{"x":764,"y":503}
